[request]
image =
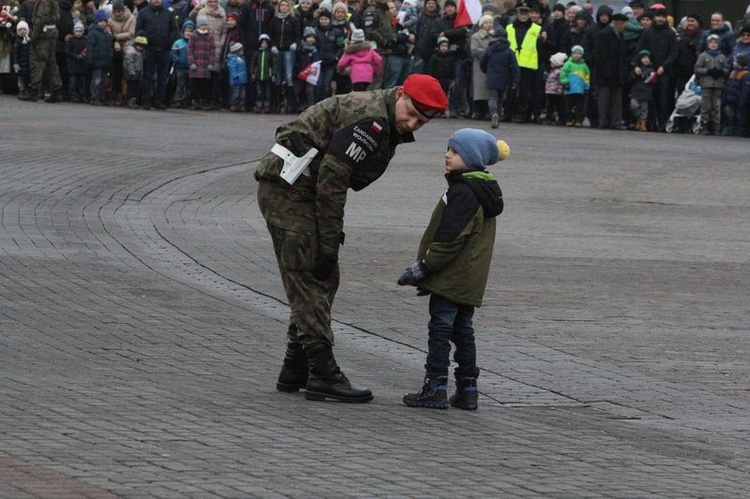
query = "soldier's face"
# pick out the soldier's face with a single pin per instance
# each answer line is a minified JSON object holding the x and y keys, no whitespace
{"x":408,"y":119}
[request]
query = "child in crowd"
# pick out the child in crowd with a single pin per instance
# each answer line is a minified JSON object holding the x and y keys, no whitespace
{"x":132,"y":68}
{"x":441,"y":65}
{"x":231,"y":35}
{"x":75,"y":52}
{"x":307,"y":54}
{"x":360,"y":60}
{"x":642,"y":90}
{"x":181,"y":65}
{"x":201,"y":56}
{"x":99,"y":55}
{"x":711,"y":69}
{"x":575,"y":78}
{"x":553,"y":90}
{"x":330,"y":41}
{"x":261,"y":73}
{"x":22,"y":58}
{"x":453,"y":263}
{"x":237,"y":70}
{"x":736,"y":97}
{"x":500,"y":65}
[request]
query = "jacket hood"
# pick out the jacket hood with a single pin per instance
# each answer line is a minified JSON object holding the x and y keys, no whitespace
{"x":604,"y":9}
{"x":485,"y":188}
{"x":357,"y":47}
{"x":500,"y":44}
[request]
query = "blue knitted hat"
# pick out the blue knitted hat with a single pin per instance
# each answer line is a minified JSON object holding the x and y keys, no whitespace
{"x":477,"y":148}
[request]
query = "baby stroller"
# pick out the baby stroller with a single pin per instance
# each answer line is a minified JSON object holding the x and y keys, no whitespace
{"x":686,"y":115}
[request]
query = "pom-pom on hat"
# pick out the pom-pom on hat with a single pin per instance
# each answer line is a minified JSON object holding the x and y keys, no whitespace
{"x":576,"y":48}
{"x":426,"y":94}
{"x":358,"y":35}
{"x":100,"y":16}
{"x":478,"y":149}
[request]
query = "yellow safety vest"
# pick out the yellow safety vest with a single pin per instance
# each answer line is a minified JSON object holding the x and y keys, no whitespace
{"x":527,"y":57}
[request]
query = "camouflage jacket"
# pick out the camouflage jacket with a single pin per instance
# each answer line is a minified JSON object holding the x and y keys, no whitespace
{"x":357,"y":136}
{"x":46,"y":14}
{"x":378,"y":27}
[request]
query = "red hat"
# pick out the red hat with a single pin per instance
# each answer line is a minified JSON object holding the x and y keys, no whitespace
{"x":234,"y":15}
{"x":426,"y":94}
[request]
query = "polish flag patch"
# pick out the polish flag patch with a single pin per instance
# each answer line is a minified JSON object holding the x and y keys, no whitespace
{"x":376,"y":127}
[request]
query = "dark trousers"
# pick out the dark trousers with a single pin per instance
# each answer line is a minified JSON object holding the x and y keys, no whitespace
{"x":574,"y":107}
{"x":664,"y":98}
{"x":451,"y":322}
{"x":117,"y":73}
{"x":77,"y":87}
{"x":155,"y":76}
{"x":610,"y":106}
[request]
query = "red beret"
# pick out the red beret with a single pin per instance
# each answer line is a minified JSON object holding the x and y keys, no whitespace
{"x":426,"y":94}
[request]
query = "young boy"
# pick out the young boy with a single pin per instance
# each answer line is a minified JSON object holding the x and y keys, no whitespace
{"x":237,"y":76}
{"x":711,"y":69}
{"x":132,"y":68}
{"x":181,"y":65}
{"x":452,"y":265}
{"x":575,"y":78}
{"x":642,"y":90}
{"x":307,"y":53}
{"x":75,"y":51}
{"x":441,"y":65}
{"x":261,"y":73}
{"x":22,"y":58}
{"x":99,"y":55}
{"x":736,"y":97}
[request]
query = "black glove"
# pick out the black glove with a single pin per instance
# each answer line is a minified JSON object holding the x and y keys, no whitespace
{"x":413,"y":274}
{"x":324,"y":266}
{"x":718,"y":73}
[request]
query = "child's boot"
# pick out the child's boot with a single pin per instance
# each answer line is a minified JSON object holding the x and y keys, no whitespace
{"x":466,"y":396}
{"x":433,"y":394}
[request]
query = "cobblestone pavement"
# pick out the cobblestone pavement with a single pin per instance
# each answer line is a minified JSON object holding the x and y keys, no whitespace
{"x":142,"y":319}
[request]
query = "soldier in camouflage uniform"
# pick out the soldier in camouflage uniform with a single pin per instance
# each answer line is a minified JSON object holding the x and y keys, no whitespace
{"x":43,"y":60}
{"x":378,"y":28}
{"x":356,"y":137}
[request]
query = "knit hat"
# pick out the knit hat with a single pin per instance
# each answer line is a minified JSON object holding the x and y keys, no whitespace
{"x":558,"y":59}
{"x":577,"y":48}
{"x":202,"y":20}
{"x":636,"y":3}
{"x":426,"y":95}
{"x":478,"y":149}
{"x":337,"y":6}
{"x":235,"y":47}
{"x":618,"y":16}
{"x":485,"y":19}
{"x":188,"y":24}
{"x":326,"y":5}
{"x":358,"y":35}
{"x":449,"y":2}
{"x":233,"y":15}
{"x":628,"y":11}
{"x":442,"y":39}
{"x":323,"y":13}
{"x":560,"y":7}
{"x":489,"y":6}
{"x":309,"y":31}
{"x":264,"y":37}
{"x":23,"y":25}
{"x":76,"y":27}
{"x":141,"y":40}
{"x":742,"y":59}
{"x":100,"y":16}
{"x":644,"y":52}
{"x":712,"y":38}
{"x":118,"y":5}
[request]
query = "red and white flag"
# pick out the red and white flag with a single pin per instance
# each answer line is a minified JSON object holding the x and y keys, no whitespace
{"x":468,"y":14}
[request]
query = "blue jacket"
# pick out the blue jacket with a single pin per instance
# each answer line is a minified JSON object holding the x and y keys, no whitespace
{"x":237,"y":70}
{"x":737,"y":89}
{"x":499,"y":62}
{"x":575,"y":77}
{"x":180,"y":54}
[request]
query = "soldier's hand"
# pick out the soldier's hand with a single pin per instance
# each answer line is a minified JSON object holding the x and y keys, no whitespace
{"x":324,"y":266}
{"x":412,"y":275}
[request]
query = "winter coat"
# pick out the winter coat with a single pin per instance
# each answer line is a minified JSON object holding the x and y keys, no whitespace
{"x":424,"y":46}
{"x":737,"y":89}
{"x":609,"y":59}
{"x":640,"y":90}
{"x":254,"y":20}
{"x":75,"y":50}
{"x":590,"y":39}
{"x":22,"y":55}
{"x":132,"y":63}
{"x":305,"y":56}
{"x":217,"y":25}
{"x":330,"y":42}
{"x":158,"y":25}
{"x":552,"y":83}
{"x":684,"y":64}
{"x":362,"y":60}
{"x":480,"y":41}
{"x":573,"y":37}
{"x":458,"y":243}
{"x":556,"y":30}
{"x":284,"y":31}
{"x":727,"y":40}
{"x":740,"y":48}
{"x":707,"y":62}
{"x":442,"y":66}
{"x":179,"y":54}
{"x":575,"y":77}
{"x":231,"y":36}
{"x":456,"y":36}
{"x":377,"y":25}
{"x":123,"y":29}
{"x":237,"y":70}
{"x":661,"y":41}
{"x":500,"y":65}
{"x":99,"y":49}
{"x":202,"y":54}
{"x":261,"y":67}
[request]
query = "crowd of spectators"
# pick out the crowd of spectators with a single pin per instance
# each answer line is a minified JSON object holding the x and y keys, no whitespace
{"x":525,"y":61}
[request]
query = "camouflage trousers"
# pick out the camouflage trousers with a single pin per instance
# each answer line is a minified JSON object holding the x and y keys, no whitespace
{"x":291,"y":221}
{"x":43,"y":62}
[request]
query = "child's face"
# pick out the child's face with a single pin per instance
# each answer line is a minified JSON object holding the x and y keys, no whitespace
{"x":188,"y":32}
{"x":78,"y":33}
{"x":101,"y":24}
{"x":264,"y":44}
{"x":310,"y":40}
{"x":453,"y":162}
{"x":231,"y":22}
{"x":324,"y":22}
{"x":443,"y":48}
{"x":646,"y":60}
{"x":577,"y":56}
{"x":23,"y":32}
{"x":713,"y":45}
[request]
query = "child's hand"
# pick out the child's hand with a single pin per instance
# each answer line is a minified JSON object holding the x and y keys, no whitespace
{"x":412,"y":275}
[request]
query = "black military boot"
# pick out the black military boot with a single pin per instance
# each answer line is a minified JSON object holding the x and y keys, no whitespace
{"x":29,"y":95}
{"x":433,"y":394}
{"x":294,"y":370}
{"x":55,"y":95}
{"x":325,"y":379}
{"x":466,"y":396}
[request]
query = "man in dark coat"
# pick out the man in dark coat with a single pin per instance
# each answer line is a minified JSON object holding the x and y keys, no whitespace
{"x":425,"y":44}
{"x":255,"y":16}
{"x":457,"y":37}
{"x":589,"y":44}
{"x":719,"y":27}
{"x":687,"y":46}
{"x":157,"y":24}
{"x":610,"y":72}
